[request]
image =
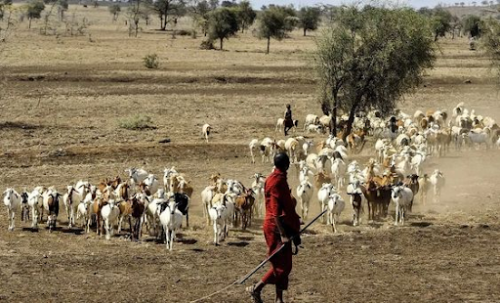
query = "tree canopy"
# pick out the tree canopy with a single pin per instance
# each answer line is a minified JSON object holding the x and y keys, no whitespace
{"x":309,"y":18}
{"x":34,"y":10}
{"x":275,"y":22}
{"x":471,"y":25}
{"x":166,"y":9}
{"x":246,"y":15}
{"x":368,"y":59}
{"x":491,"y":41}
{"x":114,"y":10}
{"x":222,"y":24}
{"x":440,"y":22}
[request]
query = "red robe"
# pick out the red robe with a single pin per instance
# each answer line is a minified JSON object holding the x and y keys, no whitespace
{"x":279,"y":203}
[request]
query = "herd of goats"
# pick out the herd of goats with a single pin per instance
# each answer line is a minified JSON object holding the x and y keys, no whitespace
{"x":402,"y":143}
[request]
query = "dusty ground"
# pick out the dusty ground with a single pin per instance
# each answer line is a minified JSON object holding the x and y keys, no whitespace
{"x":58,"y":123}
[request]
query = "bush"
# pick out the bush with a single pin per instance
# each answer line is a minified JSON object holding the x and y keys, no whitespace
{"x":136,"y":122}
{"x":207,"y":45}
{"x":151,"y":61}
{"x":183,"y":32}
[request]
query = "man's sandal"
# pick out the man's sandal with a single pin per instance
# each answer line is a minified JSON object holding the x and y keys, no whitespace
{"x":255,"y":295}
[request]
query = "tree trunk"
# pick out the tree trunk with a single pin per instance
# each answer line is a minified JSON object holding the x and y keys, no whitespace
{"x":436,"y":37}
{"x":161,"y":22}
{"x":136,"y":21}
{"x":305,"y":32}
{"x":29,"y":23}
{"x":333,"y":122}
{"x":221,"y":43}
{"x":350,"y":121}
{"x":268,"y":45}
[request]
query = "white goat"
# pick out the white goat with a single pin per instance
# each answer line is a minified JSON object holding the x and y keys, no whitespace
{"x":324,"y":195}
{"x":136,"y":175}
{"x":335,"y":207}
{"x":167,"y":173}
{"x":254,"y":147}
{"x":402,"y":197}
{"x":311,"y":120}
{"x":13,"y":201}
{"x":205,"y":131}
{"x":217,"y":216}
{"x":152,"y":183}
{"x":109,"y":214}
{"x":339,"y":170}
{"x":258,"y":189}
{"x":206,"y":200}
{"x":171,"y":220}
{"x":437,"y":182}
{"x":304,"y":195}
{"x":35,"y":201}
{"x":267,"y":149}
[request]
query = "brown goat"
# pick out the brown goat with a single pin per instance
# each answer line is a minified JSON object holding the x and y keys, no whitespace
{"x":244,"y":205}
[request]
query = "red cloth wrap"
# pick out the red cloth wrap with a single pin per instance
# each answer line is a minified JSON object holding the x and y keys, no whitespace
{"x":279,"y":203}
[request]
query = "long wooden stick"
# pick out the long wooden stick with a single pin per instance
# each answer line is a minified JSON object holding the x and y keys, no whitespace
{"x":245,"y":278}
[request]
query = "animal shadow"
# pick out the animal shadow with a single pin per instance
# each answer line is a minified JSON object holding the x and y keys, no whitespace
{"x":238,"y":244}
{"x":421,"y":224}
{"x":187,"y":241}
{"x":31,"y":229}
{"x":75,"y":231}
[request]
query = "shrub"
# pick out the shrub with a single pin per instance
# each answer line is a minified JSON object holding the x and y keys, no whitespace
{"x":183,"y":32}
{"x":151,"y":61}
{"x":136,"y":122}
{"x":207,"y":45}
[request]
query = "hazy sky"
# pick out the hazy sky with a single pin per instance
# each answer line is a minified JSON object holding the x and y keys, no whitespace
{"x":299,"y":3}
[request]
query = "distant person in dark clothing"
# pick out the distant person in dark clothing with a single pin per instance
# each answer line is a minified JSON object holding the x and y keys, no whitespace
{"x":288,"y":123}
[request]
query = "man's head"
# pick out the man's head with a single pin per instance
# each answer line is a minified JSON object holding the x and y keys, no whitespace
{"x":281,"y":161}
{"x":288,"y":106}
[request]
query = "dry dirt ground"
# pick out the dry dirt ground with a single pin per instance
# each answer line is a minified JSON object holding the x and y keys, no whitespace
{"x":59,"y":113}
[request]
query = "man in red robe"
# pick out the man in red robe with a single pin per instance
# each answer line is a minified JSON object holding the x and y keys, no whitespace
{"x":281,"y":221}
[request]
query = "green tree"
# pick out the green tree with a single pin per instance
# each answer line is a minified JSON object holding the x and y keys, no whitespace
{"x":491,"y":41}
{"x":222,"y":24}
{"x":471,"y":25}
{"x":166,"y":9}
{"x":440,"y":22}
{"x":275,"y":22}
{"x":62,"y":6}
{"x":246,"y":15}
{"x":371,"y":63}
{"x":34,"y":10}
{"x":115,"y":10}
{"x":309,"y":18}
{"x":200,"y":11}
{"x":455,"y":26}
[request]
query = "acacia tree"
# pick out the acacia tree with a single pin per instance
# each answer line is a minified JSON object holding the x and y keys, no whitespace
{"x":167,"y":8}
{"x":200,"y":10}
{"x":275,"y":22}
{"x":34,"y":10}
{"x":309,"y":18}
{"x":222,"y":24}
{"x":246,"y":15}
{"x":440,"y":22}
{"x":491,"y":41}
{"x":115,"y":10}
{"x":471,"y":25}
{"x":368,"y":59}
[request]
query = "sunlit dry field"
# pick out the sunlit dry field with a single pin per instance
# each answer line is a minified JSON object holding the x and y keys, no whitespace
{"x":63,"y":98}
